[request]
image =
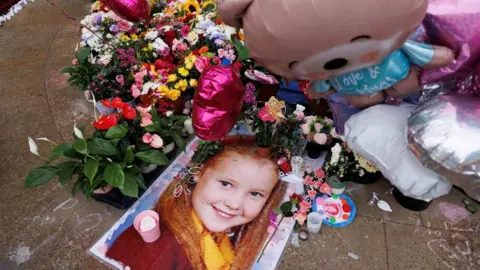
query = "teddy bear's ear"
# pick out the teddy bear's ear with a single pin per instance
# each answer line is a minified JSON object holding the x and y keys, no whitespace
{"x":231,"y":11}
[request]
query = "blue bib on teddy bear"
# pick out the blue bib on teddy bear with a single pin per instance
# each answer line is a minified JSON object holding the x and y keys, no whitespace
{"x":370,"y":80}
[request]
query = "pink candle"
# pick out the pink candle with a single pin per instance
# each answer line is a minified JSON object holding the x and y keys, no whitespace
{"x":147,"y":225}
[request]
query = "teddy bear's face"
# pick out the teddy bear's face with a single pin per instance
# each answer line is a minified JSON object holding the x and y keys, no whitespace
{"x":319,"y":39}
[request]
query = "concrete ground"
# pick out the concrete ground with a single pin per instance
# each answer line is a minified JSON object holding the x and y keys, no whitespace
{"x":44,"y":228}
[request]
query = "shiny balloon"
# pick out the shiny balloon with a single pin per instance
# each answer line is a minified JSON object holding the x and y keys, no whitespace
{"x":131,"y":10}
{"x":444,"y":134}
{"x":217,"y":103}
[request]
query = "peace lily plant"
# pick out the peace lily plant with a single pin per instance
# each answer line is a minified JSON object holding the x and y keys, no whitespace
{"x":108,"y":157}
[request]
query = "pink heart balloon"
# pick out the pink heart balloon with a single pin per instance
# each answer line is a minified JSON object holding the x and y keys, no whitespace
{"x":131,"y":10}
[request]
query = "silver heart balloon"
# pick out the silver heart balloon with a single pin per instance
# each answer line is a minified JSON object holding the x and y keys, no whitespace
{"x":444,"y":134}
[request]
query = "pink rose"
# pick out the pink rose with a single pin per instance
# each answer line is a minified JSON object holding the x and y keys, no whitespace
{"x":304,"y":206}
{"x":75,"y":61}
{"x":308,"y":181}
{"x":124,"y":26}
{"x":202,"y":63}
{"x":318,"y":127}
{"x":312,"y":194}
{"x":320,"y":173}
{"x":305,"y":129}
{"x":300,"y":115}
{"x":320,"y":138}
{"x":300,"y":218}
{"x":139,"y":78}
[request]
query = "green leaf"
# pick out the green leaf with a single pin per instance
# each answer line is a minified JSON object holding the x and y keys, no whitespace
{"x":129,"y":155}
{"x":116,"y":132}
{"x":60,"y":150}
{"x":277,"y":211}
{"x":154,"y":114}
{"x":68,"y":70}
{"x":242,"y":50}
{"x":286,"y":207}
{"x":179,"y":141}
{"x":103,"y":147}
{"x":289,"y":214}
{"x":90,"y":169}
{"x":141,"y":181}
{"x":65,"y":171}
{"x":83,"y":55}
{"x":130,"y":187}
{"x":297,"y":226}
{"x":179,"y":118}
{"x":40,"y":176}
{"x":76,"y":186}
{"x":80,"y":146}
{"x":151,"y":128}
{"x":114,"y":175}
{"x":153,"y":156}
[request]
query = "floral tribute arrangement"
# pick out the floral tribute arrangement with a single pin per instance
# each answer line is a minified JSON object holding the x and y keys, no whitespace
{"x":142,"y":77}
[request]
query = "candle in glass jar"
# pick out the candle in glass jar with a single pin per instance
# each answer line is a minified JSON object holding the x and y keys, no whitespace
{"x":188,"y":125}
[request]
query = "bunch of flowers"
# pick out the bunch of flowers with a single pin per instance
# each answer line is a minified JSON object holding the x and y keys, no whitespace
{"x":343,"y":163}
{"x":266,"y":120}
{"x":318,"y":129}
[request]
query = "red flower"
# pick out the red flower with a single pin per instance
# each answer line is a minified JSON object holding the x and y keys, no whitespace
{"x":105,"y":122}
{"x":169,"y":37}
{"x":295,"y":197}
{"x":106,"y":103}
{"x":117,"y":103}
{"x":320,"y":173}
{"x":128,"y":111}
{"x":237,"y":65}
{"x":285,"y":167}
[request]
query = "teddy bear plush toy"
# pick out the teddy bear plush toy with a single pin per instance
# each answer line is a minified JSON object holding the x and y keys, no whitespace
{"x":359,"y":49}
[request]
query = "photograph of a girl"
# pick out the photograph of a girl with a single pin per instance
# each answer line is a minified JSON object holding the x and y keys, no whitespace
{"x":221,"y":224}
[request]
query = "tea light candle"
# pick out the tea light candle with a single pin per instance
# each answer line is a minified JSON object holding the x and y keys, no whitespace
{"x":303,"y":235}
{"x":188,"y":125}
{"x":314,"y":222}
{"x":147,"y":225}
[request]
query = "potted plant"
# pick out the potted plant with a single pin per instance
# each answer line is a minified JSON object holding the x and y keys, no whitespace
{"x":371,"y":174}
{"x":318,"y":132}
{"x":108,"y":159}
{"x":288,"y":136}
{"x":340,"y":167}
{"x":265,"y":123}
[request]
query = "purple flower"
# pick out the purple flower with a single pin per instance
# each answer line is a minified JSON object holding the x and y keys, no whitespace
{"x":114,"y":28}
{"x":97,"y":19}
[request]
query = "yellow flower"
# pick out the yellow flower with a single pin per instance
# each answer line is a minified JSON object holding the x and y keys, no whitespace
{"x":240,"y":35}
{"x":172,"y":78}
{"x":150,"y":46}
{"x":184,"y":72}
{"x":189,"y":65}
{"x":124,"y":38}
{"x":181,"y":85}
{"x":191,"y":6}
{"x":193,"y":83}
{"x":134,"y":36}
{"x":207,"y":3}
{"x":365,"y":164}
{"x":163,"y":89}
{"x":173,"y":94}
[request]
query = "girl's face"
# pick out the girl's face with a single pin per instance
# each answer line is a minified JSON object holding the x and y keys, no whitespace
{"x":233,"y":192}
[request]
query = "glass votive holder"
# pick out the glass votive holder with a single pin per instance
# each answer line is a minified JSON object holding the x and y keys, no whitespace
{"x":314,"y":222}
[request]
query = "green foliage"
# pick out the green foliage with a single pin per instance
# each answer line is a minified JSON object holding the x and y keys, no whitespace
{"x":107,"y":157}
{"x":169,"y":128}
{"x":206,"y":149}
{"x":82,"y":74}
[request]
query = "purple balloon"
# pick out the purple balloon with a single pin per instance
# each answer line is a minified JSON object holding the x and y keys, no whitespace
{"x":455,"y":24}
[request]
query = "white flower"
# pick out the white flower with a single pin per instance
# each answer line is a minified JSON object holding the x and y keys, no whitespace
{"x":169,"y":113}
{"x":151,"y":35}
{"x":334,"y":158}
{"x":361,"y":173}
{"x":328,"y":121}
{"x":159,"y":44}
{"x":336,"y":149}
{"x":109,"y":36}
{"x":104,"y":59}
{"x":77,"y":131}
{"x":83,"y":44}
{"x":192,"y":38}
{"x":33,"y":146}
